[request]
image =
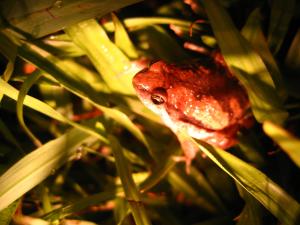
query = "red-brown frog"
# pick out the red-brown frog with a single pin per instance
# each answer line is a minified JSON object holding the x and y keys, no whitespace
{"x":202,"y":99}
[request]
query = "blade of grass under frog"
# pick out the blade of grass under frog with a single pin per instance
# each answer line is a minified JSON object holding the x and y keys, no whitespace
{"x":107,"y":58}
{"x":48,"y":17}
{"x":180,"y":183}
{"x":130,"y":189}
{"x":39,"y":164}
{"x":122,"y":38}
{"x":246,"y":65}
{"x":282,"y":12}
{"x":22,"y":94}
{"x":261,"y":187}
{"x":289,"y":143}
{"x":253,"y":33}
{"x":45,"y":109}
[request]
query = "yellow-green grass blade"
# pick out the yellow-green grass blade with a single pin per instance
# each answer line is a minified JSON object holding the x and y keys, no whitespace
{"x":45,"y":109}
{"x":253,"y":212}
{"x":130,"y":189}
{"x":6,"y":134}
{"x":282,"y":12}
{"x":22,"y":94}
{"x":39,"y":164}
{"x":6,"y":214}
{"x":78,"y":206}
{"x":141,"y":22}
{"x":253,"y":33}
{"x":181,"y":184}
{"x":107,"y":58}
{"x":289,"y":143}
{"x":162,"y":45}
{"x":261,"y":187}
{"x":65,"y":73}
{"x":122,"y":38}
{"x":9,"y":50}
{"x":46,"y":17}
{"x":246,"y":64}
{"x":292,"y":59}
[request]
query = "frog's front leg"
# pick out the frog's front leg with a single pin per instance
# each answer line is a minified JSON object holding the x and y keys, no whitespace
{"x":189,"y":148}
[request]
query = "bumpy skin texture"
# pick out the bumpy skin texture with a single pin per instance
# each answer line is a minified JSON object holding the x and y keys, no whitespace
{"x":200,"y":98}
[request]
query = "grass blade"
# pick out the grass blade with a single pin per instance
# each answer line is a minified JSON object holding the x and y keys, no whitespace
{"x":130,"y":189}
{"x":261,"y":187}
{"x":38,"y":165}
{"x":45,"y":17}
{"x":246,"y":64}
{"x":282,"y":12}
{"x":289,"y":144}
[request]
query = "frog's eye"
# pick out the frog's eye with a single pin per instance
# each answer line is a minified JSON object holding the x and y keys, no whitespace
{"x":159,"y":96}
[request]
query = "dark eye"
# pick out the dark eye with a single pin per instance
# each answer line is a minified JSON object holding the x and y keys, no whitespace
{"x":159,"y":96}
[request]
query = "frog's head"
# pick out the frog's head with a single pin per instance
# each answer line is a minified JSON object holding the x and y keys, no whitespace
{"x":150,"y":85}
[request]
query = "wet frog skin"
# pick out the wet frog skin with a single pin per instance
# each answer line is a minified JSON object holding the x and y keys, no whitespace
{"x":201,"y":98}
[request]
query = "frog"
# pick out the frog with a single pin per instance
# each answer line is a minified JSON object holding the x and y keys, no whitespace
{"x":201,"y":98}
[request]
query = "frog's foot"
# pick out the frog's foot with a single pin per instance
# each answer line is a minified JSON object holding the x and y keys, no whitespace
{"x":190,"y":150}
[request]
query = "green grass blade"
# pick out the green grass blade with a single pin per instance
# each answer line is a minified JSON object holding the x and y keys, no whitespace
{"x":38,"y":165}
{"x":246,"y":64}
{"x":141,"y":22}
{"x":289,"y":144}
{"x":65,"y":72}
{"x":6,"y":215}
{"x":292,"y":59}
{"x":78,"y":206}
{"x":261,"y":187}
{"x":5,"y":132}
{"x":9,"y":50}
{"x":45,"y":17}
{"x":122,"y":39}
{"x":162,"y":45}
{"x":22,"y":94}
{"x":45,"y":109}
{"x":253,"y":33}
{"x":107,"y":58}
{"x":130,"y":189}
{"x":282,"y":12}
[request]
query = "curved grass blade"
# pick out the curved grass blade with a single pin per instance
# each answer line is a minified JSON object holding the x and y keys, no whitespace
{"x":122,"y":39}
{"x":261,"y":187}
{"x":282,"y":12}
{"x":130,"y":189}
{"x":45,"y":109}
{"x":22,"y":94}
{"x":45,"y":17}
{"x":289,"y":143}
{"x":39,"y":164}
{"x":6,"y":215}
{"x":246,"y":64}
{"x":79,"y":87}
